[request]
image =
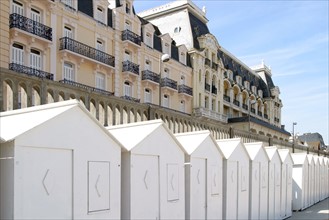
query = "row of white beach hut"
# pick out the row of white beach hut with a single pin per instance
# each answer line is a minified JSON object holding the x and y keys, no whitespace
{"x":57,"y":161}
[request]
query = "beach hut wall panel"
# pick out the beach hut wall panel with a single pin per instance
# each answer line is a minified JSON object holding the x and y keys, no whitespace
{"x":311,"y":193}
{"x":203,"y":175}
{"x":235,"y":179}
{"x":61,"y":163}
{"x":258,"y":180}
{"x":286,"y":183}
{"x":152,"y":171}
{"x":274,"y":183}
{"x":322,"y":178}
{"x":326,"y":176}
{"x":300,"y":198}
{"x":316,"y":179}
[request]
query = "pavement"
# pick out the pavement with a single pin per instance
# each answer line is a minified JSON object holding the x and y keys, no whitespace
{"x":318,"y":211}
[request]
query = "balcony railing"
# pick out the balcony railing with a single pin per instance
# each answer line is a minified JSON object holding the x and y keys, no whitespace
{"x":28,"y":25}
{"x":149,"y":75}
{"x":166,"y":82}
{"x":207,"y":87}
{"x":244,"y":106}
{"x":131,"y":36}
{"x":214,"y":66}
{"x":85,"y":50}
{"x":128,"y":66}
{"x":89,"y":88}
{"x":266,"y":116}
{"x":203,"y":112}
{"x":185,"y":89}
{"x":236,"y":102}
{"x":30,"y":71}
{"x":213,"y":90}
{"x":126,"y":97}
{"x":207,"y":62}
{"x":253,"y":110}
{"x":227,"y":98}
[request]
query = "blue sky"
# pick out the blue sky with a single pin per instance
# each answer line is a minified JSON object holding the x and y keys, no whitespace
{"x":291,"y":37}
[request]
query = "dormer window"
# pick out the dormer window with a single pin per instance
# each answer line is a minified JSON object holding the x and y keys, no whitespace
{"x":182,"y":58}
{"x":100,"y":15}
{"x":239,"y":80}
{"x":247,"y":85}
{"x":166,"y":48}
{"x":177,"y":29}
{"x":148,"y":39}
{"x":260,"y":93}
{"x":253,"y":88}
{"x":127,"y":8}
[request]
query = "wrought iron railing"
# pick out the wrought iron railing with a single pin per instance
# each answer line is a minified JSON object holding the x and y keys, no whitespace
{"x":213,"y":90}
{"x":131,"y":36}
{"x":166,"y":82}
{"x":236,"y":102}
{"x":149,"y":75}
{"x":128,"y":66}
{"x":253,"y":110}
{"x":185,"y":89}
{"x":207,"y":87}
{"x":89,"y":88}
{"x":28,"y":25}
{"x":126,"y":97}
{"x":227,"y":98}
{"x":85,"y":50}
{"x":30,"y":71}
{"x":244,"y":106}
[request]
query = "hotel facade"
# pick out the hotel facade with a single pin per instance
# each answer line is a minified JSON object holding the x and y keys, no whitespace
{"x":126,"y":67}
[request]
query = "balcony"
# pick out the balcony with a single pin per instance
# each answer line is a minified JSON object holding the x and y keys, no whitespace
{"x":166,"y":82}
{"x":89,"y":88}
{"x":126,"y":97}
{"x":207,"y":62}
{"x":207,"y":87}
{"x":149,"y":75}
{"x":236,"y":102}
{"x":131,"y":36}
{"x":85,"y":50}
{"x":30,"y":26}
{"x":30,"y":71}
{"x":214,"y":66}
{"x":185,"y":89}
{"x":253,"y":110}
{"x":227,"y":98}
{"x":259,"y":113}
{"x":213,"y":90}
{"x":128,"y":66}
{"x":203,"y":112}
{"x":245,"y":107}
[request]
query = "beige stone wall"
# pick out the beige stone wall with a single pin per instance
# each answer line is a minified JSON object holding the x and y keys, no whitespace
{"x":4,"y":33}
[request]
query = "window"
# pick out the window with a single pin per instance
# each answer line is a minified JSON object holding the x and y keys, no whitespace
{"x":182,"y":80}
{"x":127,"y":89}
{"x":100,"y":45}
{"x":17,"y":8}
{"x":206,"y":102}
{"x":68,"y":3}
{"x":100,"y":15}
{"x":69,"y":71}
{"x":166,"y":73}
{"x":100,"y":81}
{"x":147,"y":96}
{"x":147,"y":65}
{"x":127,"y":25}
{"x":239,"y":80}
{"x":35,"y":59}
{"x":35,"y":15}
{"x":177,"y":29}
{"x":148,"y":39}
{"x":260,"y":93}
{"x":165,"y":102}
{"x":182,"y":58}
{"x":127,"y":8}
{"x":166,"y":49}
{"x":247,"y":85}
{"x":68,"y":32}
{"x":182,"y":106}
{"x":127,"y":55}
{"x":17,"y":54}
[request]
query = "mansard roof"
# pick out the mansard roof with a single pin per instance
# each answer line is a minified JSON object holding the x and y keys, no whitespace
{"x":198,"y":29}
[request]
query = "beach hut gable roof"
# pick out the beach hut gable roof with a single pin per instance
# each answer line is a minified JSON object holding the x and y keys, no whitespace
{"x":284,"y":154}
{"x":270,"y":151}
{"x":253,"y":149}
{"x":228,"y":146}
{"x":299,"y":158}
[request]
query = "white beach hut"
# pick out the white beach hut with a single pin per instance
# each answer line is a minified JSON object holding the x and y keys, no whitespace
{"x":58,"y":162}
{"x":316,"y":179}
{"x":311,"y":195}
{"x":286,"y":183}
{"x":235,"y":179}
{"x":300,"y":181}
{"x":326,"y":176}
{"x":152,"y":171}
{"x":203,"y":175}
{"x":258,"y":180}
{"x":321,"y":178}
{"x":274,"y":183}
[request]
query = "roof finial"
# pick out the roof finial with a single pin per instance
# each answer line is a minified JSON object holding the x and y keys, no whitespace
{"x":204,"y":9}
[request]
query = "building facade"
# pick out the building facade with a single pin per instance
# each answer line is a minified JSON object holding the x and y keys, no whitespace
{"x":114,"y":61}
